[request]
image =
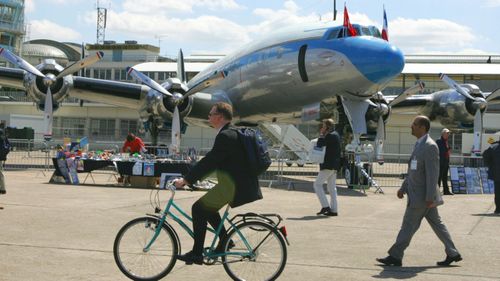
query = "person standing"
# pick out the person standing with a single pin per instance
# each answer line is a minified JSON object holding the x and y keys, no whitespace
{"x":4,"y":150}
{"x":330,"y":139}
{"x":491,"y":157}
{"x":423,"y":198}
{"x":236,"y":186}
{"x":133,"y":144}
{"x":444,"y":160}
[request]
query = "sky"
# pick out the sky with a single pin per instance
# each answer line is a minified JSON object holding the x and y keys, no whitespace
{"x":220,"y":26}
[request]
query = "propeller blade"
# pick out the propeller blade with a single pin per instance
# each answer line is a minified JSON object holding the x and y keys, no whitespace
{"x":493,"y":95}
{"x":12,"y":58}
{"x":47,"y":115}
{"x":74,"y":67}
{"x":176,"y":132}
{"x":379,"y":141}
{"x":455,"y":85}
{"x":211,"y":80}
{"x":147,"y":81}
{"x":478,"y":132}
{"x":181,"y":71}
{"x":408,"y":93}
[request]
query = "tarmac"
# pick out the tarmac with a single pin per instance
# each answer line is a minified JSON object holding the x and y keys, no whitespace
{"x":66,"y":232}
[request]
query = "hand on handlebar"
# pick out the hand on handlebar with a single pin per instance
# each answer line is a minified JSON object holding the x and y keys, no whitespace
{"x":179,"y":182}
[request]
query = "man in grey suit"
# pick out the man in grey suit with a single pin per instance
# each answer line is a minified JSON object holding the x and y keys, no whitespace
{"x":423,"y":197}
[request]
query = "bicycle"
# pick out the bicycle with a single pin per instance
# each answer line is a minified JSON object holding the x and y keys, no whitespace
{"x":255,"y":248}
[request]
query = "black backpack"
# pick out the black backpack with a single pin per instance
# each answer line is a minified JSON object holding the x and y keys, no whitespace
{"x":256,"y":150}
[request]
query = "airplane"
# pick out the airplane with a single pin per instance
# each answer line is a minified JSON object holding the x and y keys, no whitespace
{"x":461,"y":107}
{"x":269,"y":80}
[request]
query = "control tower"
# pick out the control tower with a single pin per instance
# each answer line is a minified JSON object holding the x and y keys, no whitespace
{"x":12,"y":24}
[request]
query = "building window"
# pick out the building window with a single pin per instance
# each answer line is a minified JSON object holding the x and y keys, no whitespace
{"x":127,"y":126}
{"x":102,"y":128}
{"x":73,"y":127}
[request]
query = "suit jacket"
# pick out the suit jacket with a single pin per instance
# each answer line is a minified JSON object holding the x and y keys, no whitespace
{"x":227,"y":159}
{"x":491,"y":157}
{"x":332,"y":152}
{"x":421,"y":184}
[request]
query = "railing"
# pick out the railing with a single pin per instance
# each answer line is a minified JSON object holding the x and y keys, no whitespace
{"x":29,"y":154}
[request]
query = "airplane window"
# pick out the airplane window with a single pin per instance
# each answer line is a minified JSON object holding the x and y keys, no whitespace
{"x":334,"y":33}
{"x":375,"y":32}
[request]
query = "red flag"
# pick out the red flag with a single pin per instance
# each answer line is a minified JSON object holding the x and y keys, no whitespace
{"x":385,"y":29}
{"x":348,"y":24}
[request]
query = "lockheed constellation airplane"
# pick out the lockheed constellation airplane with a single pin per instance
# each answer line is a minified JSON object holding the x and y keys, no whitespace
{"x":270,"y":80}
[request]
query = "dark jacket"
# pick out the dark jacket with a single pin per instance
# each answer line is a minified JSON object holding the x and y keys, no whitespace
{"x":4,"y":146}
{"x":443,"y":160}
{"x":332,"y":153}
{"x":227,"y":159}
{"x":491,"y":157}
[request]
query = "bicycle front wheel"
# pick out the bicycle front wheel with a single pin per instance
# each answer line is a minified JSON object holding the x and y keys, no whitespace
{"x":266,"y":258}
{"x":138,"y":264}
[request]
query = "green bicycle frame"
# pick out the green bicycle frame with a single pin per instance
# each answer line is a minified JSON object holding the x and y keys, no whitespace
{"x":167,"y":213}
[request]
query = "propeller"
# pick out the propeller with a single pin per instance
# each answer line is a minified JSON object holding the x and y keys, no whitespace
{"x":479,"y":104}
{"x":49,"y":79}
{"x":148,"y":81}
{"x":380,"y":138}
{"x":176,"y":131}
{"x":408,"y":93}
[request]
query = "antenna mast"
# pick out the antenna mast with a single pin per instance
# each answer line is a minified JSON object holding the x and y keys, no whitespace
{"x":101,"y":24}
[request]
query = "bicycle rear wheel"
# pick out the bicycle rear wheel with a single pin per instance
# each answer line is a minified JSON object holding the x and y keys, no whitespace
{"x":137,"y":264}
{"x":265,"y":261}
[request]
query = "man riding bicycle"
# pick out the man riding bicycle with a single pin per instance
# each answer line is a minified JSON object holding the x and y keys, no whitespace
{"x":236,"y":186}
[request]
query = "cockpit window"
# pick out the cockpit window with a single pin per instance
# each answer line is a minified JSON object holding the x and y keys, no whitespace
{"x":334,"y":33}
{"x":341,"y":32}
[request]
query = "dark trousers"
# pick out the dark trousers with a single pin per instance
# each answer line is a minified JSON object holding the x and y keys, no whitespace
{"x":206,"y":209}
{"x":497,"y":196}
{"x":443,"y":177}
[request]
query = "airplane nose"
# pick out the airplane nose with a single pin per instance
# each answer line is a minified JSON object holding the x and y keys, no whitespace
{"x":378,"y":60}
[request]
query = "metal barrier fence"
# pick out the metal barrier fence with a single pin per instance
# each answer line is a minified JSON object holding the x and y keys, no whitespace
{"x":33,"y":155}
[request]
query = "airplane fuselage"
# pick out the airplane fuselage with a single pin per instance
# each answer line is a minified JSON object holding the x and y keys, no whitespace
{"x":275,"y":78}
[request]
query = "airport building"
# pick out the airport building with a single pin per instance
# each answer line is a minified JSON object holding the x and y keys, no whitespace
{"x":101,"y":122}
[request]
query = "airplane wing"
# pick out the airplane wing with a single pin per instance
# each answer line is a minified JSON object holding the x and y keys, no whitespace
{"x":12,"y":77}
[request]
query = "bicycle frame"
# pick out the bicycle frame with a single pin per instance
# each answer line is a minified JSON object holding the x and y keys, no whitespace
{"x":210,"y":253}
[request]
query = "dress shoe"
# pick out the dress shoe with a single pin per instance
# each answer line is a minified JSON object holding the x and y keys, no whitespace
{"x":390,"y":260}
{"x":3,"y":192}
{"x":330,"y":214}
{"x":323,"y":211}
{"x":449,"y":260}
{"x":448,"y":193}
{"x":190,"y":258}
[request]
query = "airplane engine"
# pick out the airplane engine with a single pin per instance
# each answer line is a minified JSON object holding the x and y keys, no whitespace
{"x":162,"y":107}
{"x":36,"y":87}
{"x":453,"y":110}
{"x":378,"y":109}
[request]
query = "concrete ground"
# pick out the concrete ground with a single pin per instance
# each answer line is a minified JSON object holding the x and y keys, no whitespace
{"x":64,"y":232}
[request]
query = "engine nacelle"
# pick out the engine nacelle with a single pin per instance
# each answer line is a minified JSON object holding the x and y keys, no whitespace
{"x":374,"y":112}
{"x":453,"y":110}
{"x":162,"y":107}
{"x":36,"y":87}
